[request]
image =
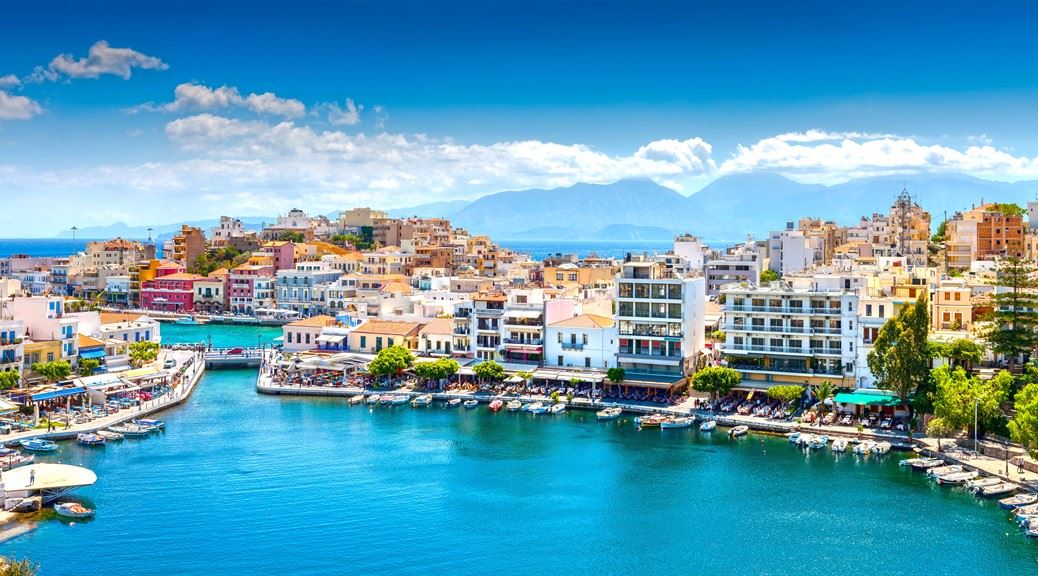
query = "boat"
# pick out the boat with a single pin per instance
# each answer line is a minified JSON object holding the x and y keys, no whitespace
{"x":651,"y":421}
{"x":819,"y":442}
{"x":957,"y":477}
{"x":187,"y":321}
{"x":73,"y":510}
{"x":557,"y":408}
{"x":840,"y":445}
{"x":1028,"y":510}
{"x":927,"y":463}
{"x":794,"y":437}
{"x":536,"y":408}
{"x":423,"y":400}
{"x":708,"y":426}
{"x":1031,"y":532}
{"x":1000,"y":489}
{"x":978,"y":483}
{"x":611,"y":413}
{"x":453,"y":403}
{"x":372,"y":399}
{"x":1018,"y":501}
{"x":881,"y":447}
{"x":385,"y":399}
{"x":130,"y":430}
{"x":942,"y":470}
{"x":738,"y":431}
{"x":88,"y":439}
{"x":38,"y":445}
{"x":157,"y":424}
{"x":109,"y":435}
{"x":12,"y":459}
{"x":864,"y":447}
{"x":677,"y":422}
{"x":804,"y":440}
{"x":913,"y":461}
{"x":470,"y":404}
{"x":514,"y":406}
{"x":399,"y":400}
{"x":496,"y":405}
{"x":359,"y":398}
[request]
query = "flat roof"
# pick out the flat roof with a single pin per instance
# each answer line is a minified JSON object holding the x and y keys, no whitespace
{"x":48,"y":477}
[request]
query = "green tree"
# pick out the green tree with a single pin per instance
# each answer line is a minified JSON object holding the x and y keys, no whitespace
{"x":53,"y":371}
{"x":8,"y":379}
{"x":769,"y":275}
{"x":391,"y":361}
{"x":715,"y":380}
{"x":1014,"y":330}
{"x":143,"y":352}
{"x":962,"y":400}
{"x":1009,"y":209}
{"x":939,"y":428}
{"x":1024,"y":426}
{"x":616,"y":375}
{"x":823,"y":392}
{"x":786,"y":393}
{"x":489,"y":371}
{"x":296,"y":237}
{"x":12,"y":567}
{"x":87,"y":366}
{"x":900,"y":358}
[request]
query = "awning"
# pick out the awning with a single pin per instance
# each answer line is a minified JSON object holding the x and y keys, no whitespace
{"x":139,"y":372}
{"x":867,"y":399}
{"x":42,"y":396}
{"x":6,"y":407}
{"x":92,"y":354}
{"x":331,"y":339}
{"x":524,"y":313}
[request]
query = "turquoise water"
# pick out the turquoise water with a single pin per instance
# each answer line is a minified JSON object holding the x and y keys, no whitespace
{"x":221,"y":335}
{"x":250,"y":484}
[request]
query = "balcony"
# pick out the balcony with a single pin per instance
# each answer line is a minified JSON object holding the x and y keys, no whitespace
{"x":572,"y":346}
{"x":830,"y":351}
{"x":803,"y":370}
{"x":523,"y":342}
{"x":4,"y":342}
{"x":781,"y":309}
{"x":489,"y":312}
{"x":524,"y":322}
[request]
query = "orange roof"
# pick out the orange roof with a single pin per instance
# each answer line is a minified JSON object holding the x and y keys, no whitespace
{"x":390,"y":327}
{"x":118,"y":317}
{"x":318,"y":321}
{"x":219,"y":272}
{"x":396,"y":287}
{"x":438,"y":326}
{"x":180,"y":276}
{"x":490,"y":297}
{"x":585,"y":321}
{"x":88,"y":342}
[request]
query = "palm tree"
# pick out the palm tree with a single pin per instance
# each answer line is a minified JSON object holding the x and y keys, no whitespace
{"x":823,"y":392}
{"x":526,"y":376}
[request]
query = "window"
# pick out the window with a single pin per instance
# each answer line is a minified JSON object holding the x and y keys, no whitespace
{"x":584,"y":339}
{"x":587,"y":362}
{"x":363,"y":341}
{"x":560,"y":360}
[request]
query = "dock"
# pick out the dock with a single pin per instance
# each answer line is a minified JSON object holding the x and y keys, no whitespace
{"x":239,"y":357}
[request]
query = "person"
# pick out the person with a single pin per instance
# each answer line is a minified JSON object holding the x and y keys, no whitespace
{"x":32,"y":477}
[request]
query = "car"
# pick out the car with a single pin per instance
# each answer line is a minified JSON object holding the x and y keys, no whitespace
{"x":169,"y":363}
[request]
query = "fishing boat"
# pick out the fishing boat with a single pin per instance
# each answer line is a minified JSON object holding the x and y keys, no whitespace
{"x":1018,"y":501}
{"x":385,"y":399}
{"x":87,"y":439}
{"x":819,"y":442}
{"x":399,"y":400}
{"x":187,"y":321}
{"x":73,"y":510}
{"x":496,"y":405}
{"x":536,"y":408}
{"x":804,"y":440}
{"x":372,"y":399}
{"x":927,"y":463}
{"x":157,"y":424}
{"x":109,"y":435}
{"x":942,"y":470}
{"x":864,"y":447}
{"x":514,"y":406}
{"x":1000,"y":489}
{"x":38,"y":445}
{"x":978,"y":483}
{"x":708,"y":426}
{"x":470,"y":404}
{"x":677,"y":422}
{"x":651,"y":421}
{"x":913,"y":461}
{"x":130,"y":430}
{"x":609,"y":413}
{"x":1028,"y":510}
{"x":12,"y":459}
{"x":358,"y":399}
{"x":957,"y":477}
{"x":738,"y":431}
{"x":1031,"y":532}
{"x":453,"y":403}
{"x":794,"y":437}
{"x":423,"y":400}
{"x":840,"y":445}
{"x":557,"y":408}
{"x":881,"y":447}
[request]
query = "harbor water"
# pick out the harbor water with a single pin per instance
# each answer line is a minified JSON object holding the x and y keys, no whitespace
{"x":251,"y":484}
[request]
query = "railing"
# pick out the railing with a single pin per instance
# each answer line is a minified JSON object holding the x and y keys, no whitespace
{"x":572,"y":346}
{"x":788,"y":370}
{"x":784,"y":349}
{"x":523,"y":323}
{"x":781,"y":309}
{"x":528,"y":341}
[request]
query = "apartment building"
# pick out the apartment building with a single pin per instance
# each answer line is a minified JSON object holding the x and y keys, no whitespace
{"x":188,"y":245}
{"x":44,"y":319}
{"x":584,"y":341}
{"x":952,"y":306}
{"x":12,"y":346}
{"x":985,"y":232}
{"x":742,"y":263}
{"x":297,"y":287}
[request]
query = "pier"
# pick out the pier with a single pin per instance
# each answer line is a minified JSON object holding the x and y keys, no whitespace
{"x":238,"y":357}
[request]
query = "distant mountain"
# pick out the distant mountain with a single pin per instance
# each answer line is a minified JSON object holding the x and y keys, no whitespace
{"x":431,"y":210}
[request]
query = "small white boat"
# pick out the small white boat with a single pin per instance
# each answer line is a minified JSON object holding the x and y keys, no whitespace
{"x":470,"y":404}
{"x":558,"y":408}
{"x":957,"y":477}
{"x":156,"y":424}
{"x":38,"y":445}
{"x":358,"y":399}
{"x":372,"y":399}
{"x":819,"y":442}
{"x":1000,"y":489}
{"x":794,"y":437}
{"x":978,"y":483}
{"x":942,"y":470}
{"x":109,"y":435}
{"x":1031,"y":532}
{"x":399,"y":400}
{"x":386,"y":399}
{"x":912,"y":461}
{"x":864,"y":447}
{"x":186,"y":321}
{"x":536,"y":408}
{"x":609,"y":413}
{"x":130,"y":430}
{"x":881,"y":447}
{"x":88,"y":439}
{"x":840,"y":445}
{"x":12,"y":459}
{"x":1018,"y":501}
{"x":73,"y":510}
{"x":453,"y":403}
{"x":738,"y":431}
{"x":1029,"y":510}
{"x":514,"y":406}
{"x":927,"y":463}
{"x":650,"y":421}
{"x":708,"y":426}
{"x":677,"y":422}
{"x":805,"y":440}
{"x":423,"y":400}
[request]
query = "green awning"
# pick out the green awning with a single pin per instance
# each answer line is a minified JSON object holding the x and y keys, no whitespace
{"x":866,"y":399}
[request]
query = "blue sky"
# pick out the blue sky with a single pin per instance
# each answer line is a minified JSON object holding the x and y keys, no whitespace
{"x":328,"y":105}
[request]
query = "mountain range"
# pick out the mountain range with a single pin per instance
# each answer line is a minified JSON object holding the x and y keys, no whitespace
{"x":726,"y":210}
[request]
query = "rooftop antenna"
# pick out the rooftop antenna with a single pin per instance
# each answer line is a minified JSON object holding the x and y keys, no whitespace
{"x":74,"y":229}
{"x":150,"y":241}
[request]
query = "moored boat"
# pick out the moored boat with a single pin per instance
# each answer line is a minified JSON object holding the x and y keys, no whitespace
{"x":399,"y":400}
{"x":38,"y":445}
{"x":514,"y":406}
{"x":537,"y":408}
{"x":73,"y":510}
{"x":156,"y":424}
{"x":453,"y":403}
{"x":12,"y":459}
{"x":423,"y":400}
{"x":1000,"y":489}
{"x":942,"y":470}
{"x":130,"y":430}
{"x":794,"y":437}
{"x":708,"y":426}
{"x":864,"y":447}
{"x":109,"y":435}
{"x":978,"y":483}
{"x":840,"y":445}
{"x":372,"y":399}
{"x":957,"y":477}
{"x":881,"y":447}
{"x":385,"y":399}
{"x":927,"y":464}
{"x":358,"y":399}
{"x":1017,"y":501}
{"x":738,"y":431}
{"x":496,"y":405}
{"x":557,"y":408}
{"x":677,"y":422}
{"x":651,"y":421}
{"x":470,"y":404}
{"x":912,"y":461}
{"x":819,"y":442}
{"x":611,"y":413}
{"x":88,"y":439}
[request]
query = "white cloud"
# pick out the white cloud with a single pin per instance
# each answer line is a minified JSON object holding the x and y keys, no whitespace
{"x":348,"y":116}
{"x":10,"y":81}
{"x":192,"y":96}
{"x":270,"y":103}
{"x":17,"y":107}
{"x":101,"y":60}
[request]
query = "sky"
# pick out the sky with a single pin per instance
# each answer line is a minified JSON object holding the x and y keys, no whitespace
{"x":150,"y":113}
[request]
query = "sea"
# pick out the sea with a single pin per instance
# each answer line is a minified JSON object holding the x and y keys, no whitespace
{"x":242,"y":483}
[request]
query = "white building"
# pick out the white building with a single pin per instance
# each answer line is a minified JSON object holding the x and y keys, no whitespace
{"x":12,"y":347}
{"x":296,"y":287}
{"x":691,"y":251}
{"x":44,"y":318}
{"x":791,"y":251}
{"x":585,"y":341}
